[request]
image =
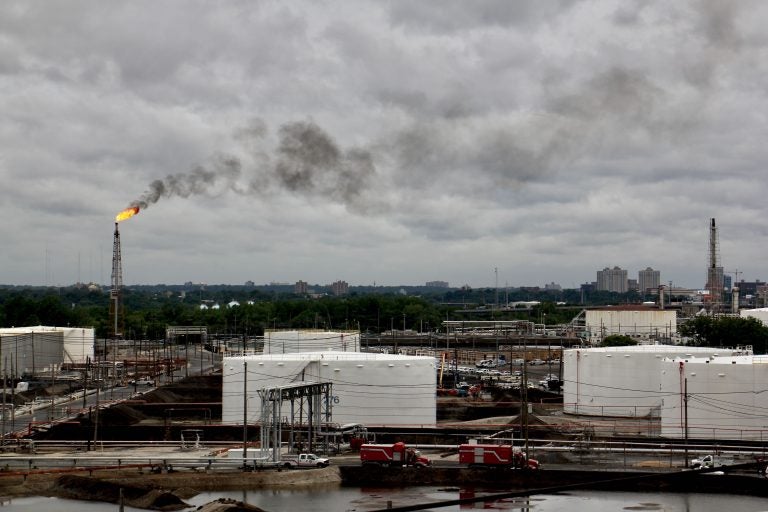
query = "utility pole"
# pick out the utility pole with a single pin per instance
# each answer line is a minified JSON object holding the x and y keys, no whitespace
{"x":245,"y":414}
{"x":685,"y":402}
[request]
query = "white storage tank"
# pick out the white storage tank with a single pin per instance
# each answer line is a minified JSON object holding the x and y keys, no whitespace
{"x":620,"y":381}
{"x":369,"y":389}
{"x":726,"y":398}
{"x":39,"y":349}
{"x":310,"y":340}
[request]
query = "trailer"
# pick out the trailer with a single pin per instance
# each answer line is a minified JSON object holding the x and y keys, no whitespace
{"x":495,"y":456}
{"x":393,"y":455}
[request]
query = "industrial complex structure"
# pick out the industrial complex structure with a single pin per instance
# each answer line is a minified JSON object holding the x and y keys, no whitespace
{"x":367,"y":388}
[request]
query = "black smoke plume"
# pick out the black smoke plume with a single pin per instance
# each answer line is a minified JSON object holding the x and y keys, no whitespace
{"x":306,"y":161}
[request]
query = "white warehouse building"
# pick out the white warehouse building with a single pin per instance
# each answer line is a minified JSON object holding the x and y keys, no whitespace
{"x":759,"y":313}
{"x":40,"y":349}
{"x":642,"y":323}
{"x":367,"y":388}
{"x":622,"y":381}
{"x":726,"y":397}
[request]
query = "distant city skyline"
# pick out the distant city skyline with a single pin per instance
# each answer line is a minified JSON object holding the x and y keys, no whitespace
{"x":302,"y":286}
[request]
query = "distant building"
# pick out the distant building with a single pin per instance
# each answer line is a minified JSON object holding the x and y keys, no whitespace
{"x":250,"y":284}
{"x":301,"y":288}
{"x":750,"y":287}
{"x":612,"y":280}
{"x":437,"y":284}
{"x":554,"y":287}
{"x":340,"y":288}
{"x":648,"y":279}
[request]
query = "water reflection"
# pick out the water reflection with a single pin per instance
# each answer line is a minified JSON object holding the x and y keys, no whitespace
{"x":373,"y":499}
{"x":343,"y":499}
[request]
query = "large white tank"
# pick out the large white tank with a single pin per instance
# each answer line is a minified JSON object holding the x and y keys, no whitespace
{"x":726,"y":398}
{"x":619,"y":381}
{"x":371,"y":389}
{"x":39,"y":349}
{"x":310,"y":340}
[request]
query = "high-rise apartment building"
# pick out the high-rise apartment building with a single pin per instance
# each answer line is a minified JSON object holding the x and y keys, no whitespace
{"x":340,"y":288}
{"x":648,"y":279}
{"x":612,"y":280}
{"x":301,"y":288}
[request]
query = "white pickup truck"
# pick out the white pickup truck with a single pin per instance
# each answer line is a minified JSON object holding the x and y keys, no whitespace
{"x":707,"y":461}
{"x":304,"y":460}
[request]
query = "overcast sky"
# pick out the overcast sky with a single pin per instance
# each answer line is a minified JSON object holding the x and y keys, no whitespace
{"x":387,"y":142}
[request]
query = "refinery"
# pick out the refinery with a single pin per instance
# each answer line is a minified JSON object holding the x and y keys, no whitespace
{"x":550,"y":394}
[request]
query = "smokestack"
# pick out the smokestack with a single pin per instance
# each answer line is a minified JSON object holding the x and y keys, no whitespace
{"x":661,"y":297}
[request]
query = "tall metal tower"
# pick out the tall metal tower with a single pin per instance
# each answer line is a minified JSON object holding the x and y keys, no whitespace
{"x":116,"y":313}
{"x":714,"y":270}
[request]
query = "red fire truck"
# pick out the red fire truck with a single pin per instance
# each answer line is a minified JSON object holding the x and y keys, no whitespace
{"x":495,"y":455}
{"x":395,"y":455}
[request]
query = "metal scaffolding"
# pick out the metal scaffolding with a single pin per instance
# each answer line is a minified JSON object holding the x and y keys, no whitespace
{"x":314,"y":400}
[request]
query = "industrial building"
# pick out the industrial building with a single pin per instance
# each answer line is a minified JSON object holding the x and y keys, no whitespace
{"x":39,"y":350}
{"x":760,"y":314}
{"x":641,"y":323}
{"x":367,"y":388}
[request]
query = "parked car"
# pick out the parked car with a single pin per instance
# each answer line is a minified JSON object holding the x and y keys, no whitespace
{"x":142,"y":381}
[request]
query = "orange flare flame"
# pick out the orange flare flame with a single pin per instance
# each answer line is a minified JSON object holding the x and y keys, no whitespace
{"x":127,"y":213}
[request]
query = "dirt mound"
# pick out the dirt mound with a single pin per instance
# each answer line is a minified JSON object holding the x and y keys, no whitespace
{"x":94,"y":489}
{"x":120,"y":414}
{"x":199,"y":389}
{"x":228,"y":505}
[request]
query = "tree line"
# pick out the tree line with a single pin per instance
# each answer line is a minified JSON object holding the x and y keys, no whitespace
{"x":149,"y":310}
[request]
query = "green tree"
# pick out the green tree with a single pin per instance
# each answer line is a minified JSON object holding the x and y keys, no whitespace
{"x":727,"y":331}
{"x":617,"y":340}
